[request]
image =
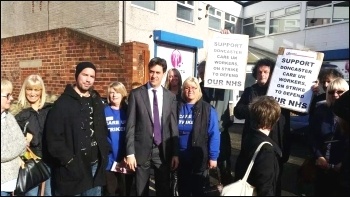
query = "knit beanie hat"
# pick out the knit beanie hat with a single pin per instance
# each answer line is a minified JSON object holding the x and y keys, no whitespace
{"x":81,"y":66}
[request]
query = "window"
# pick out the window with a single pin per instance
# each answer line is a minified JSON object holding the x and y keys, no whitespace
{"x":230,"y":22}
{"x":326,"y":12}
{"x":151,"y":5}
{"x":214,"y":18}
{"x":340,"y":12}
{"x":185,"y":10}
{"x":254,"y":26}
{"x":286,"y":19}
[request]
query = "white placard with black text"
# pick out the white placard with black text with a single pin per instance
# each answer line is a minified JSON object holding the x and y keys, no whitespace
{"x":227,"y":61}
{"x":293,"y":77}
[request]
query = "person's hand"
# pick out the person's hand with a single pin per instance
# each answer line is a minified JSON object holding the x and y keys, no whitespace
{"x":322,"y":163}
{"x":131,"y":162}
{"x":212,"y":164}
{"x":29,"y":138}
{"x":337,"y":167}
{"x":174,"y":162}
{"x":225,"y":31}
{"x":21,"y":163}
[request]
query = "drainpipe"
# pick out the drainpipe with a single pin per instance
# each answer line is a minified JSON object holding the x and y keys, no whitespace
{"x":48,"y":16}
{"x":124,"y":22}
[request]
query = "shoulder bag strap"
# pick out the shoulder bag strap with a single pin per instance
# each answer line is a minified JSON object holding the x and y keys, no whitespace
{"x":252,"y":161}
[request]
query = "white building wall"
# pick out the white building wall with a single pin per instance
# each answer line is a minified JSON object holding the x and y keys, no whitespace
{"x":104,"y":19}
{"x":265,"y":6}
{"x":330,"y":37}
{"x":318,"y":38}
{"x":140,"y":22}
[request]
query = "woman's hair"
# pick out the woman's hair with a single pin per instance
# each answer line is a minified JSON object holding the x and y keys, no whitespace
{"x":51,"y":98}
{"x":338,"y":84}
{"x":167,"y":81}
{"x":6,"y":85}
{"x":119,"y":88}
{"x":264,"y":112}
{"x":135,"y":84}
{"x":35,"y":82}
{"x":198,"y":91}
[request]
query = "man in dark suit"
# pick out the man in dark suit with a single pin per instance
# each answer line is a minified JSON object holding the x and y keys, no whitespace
{"x":152,"y":132}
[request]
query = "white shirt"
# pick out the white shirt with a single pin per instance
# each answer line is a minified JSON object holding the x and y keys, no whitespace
{"x":159,"y":99}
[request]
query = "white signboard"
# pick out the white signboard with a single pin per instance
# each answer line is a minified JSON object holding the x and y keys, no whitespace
{"x":227,"y":61}
{"x":294,"y":74}
{"x":183,"y":59}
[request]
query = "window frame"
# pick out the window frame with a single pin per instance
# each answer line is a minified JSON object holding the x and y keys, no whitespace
{"x":255,"y":20}
{"x":186,"y":5}
{"x":232,"y":21}
{"x":331,"y":21}
{"x":215,"y":15}
{"x":141,"y":7}
{"x":285,"y":14}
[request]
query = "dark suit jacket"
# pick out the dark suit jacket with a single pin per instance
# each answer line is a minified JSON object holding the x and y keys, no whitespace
{"x":139,"y":126}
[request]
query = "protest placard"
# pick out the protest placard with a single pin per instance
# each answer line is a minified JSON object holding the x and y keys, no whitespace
{"x":227,"y":61}
{"x":294,"y":74}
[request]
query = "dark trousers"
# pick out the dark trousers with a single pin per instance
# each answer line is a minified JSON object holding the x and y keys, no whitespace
{"x":191,"y":183}
{"x":279,"y":179}
{"x":326,"y":183}
{"x":118,"y":183}
{"x":161,"y":175}
{"x":224,"y":160}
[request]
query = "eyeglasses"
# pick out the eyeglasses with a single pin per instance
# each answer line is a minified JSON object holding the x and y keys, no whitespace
{"x":190,"y":88}
{"x":339,"y":92}
{"x":8,"y":95}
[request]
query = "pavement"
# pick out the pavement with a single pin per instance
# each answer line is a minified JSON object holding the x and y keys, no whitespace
{"x":299,"y":152}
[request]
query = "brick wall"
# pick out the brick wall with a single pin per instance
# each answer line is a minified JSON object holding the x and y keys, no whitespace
{"x":54,"y":54}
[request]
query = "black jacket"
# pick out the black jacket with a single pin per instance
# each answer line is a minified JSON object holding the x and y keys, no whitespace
{"x":281,"y":130}
{"x":199,"y":148}
{"x":219,"y":99}
{"x":36,"y":124}
{"x":264,"y":173}
{"x":64,"y":134}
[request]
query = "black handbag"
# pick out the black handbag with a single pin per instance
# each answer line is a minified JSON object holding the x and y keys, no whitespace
{"x":33,"y":173}
{"x":213,"y":188}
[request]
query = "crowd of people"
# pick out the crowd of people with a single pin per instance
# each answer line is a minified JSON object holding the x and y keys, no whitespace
{"x":95,"y":149}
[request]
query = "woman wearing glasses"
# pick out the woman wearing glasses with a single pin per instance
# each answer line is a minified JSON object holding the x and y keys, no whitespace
{"x":13,"y":143}
{"x":32,"y":107}
{"x":199,"y":139}
{"x":327,"y":141}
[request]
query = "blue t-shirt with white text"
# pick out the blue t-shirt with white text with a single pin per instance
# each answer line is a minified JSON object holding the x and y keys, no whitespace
{"x":116,"y":122}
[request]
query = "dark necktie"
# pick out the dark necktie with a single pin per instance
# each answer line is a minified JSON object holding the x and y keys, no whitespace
{"x":156,"y":124}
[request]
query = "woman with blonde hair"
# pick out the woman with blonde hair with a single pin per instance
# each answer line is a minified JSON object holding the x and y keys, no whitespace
{"x":13,"y":143}
{"x":115,"y":113}
{"x":173,"y":82}
{"x":33,"y":109}
{"x":327,"y":141}
{"x":199,"y":139}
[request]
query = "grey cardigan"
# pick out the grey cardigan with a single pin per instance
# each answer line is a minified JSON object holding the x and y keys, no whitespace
{"x":13,"y":144}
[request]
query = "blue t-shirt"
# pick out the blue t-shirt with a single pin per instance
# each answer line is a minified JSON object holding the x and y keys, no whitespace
{"x":116,"y":122}
{"x":186,"y":128}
